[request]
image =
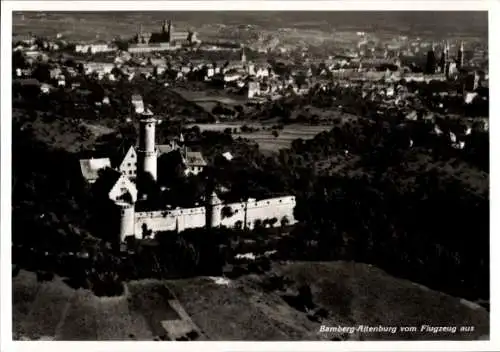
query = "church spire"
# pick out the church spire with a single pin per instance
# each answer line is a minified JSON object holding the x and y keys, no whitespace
{"x":243,"y":56}
{"x":460,"y":55}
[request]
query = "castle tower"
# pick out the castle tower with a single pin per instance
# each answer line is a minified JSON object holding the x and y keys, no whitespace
{"x":146,"y":153}
{"x":127,"y":220}
{"x":164,"y":26}
{"x":460,"y":55}
{"x":214,"y":208}
{"x":140,"y":34}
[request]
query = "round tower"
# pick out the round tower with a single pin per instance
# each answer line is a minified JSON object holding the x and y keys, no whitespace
{"x":146,"y":153}
{"x":127,"y":220}
{"x":214,"y":208}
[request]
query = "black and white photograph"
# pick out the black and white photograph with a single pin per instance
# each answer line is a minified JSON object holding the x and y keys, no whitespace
{"x":247,"y":175}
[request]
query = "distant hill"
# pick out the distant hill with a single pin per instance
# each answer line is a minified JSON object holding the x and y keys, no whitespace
{"x":86,"y":25}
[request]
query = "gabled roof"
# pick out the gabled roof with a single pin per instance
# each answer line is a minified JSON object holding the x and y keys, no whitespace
{"x":194,"y":159}
{"x":228,"y":156}
{"x":166,"y":148}
{"x":108,"y":178}
{"x":120,"y":154}
{"x":91,"y":167}
{"x":27,"y":82}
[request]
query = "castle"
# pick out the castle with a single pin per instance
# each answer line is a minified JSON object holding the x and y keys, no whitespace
{"x":122,"y":184}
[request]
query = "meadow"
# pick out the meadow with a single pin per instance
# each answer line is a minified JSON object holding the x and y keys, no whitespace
{"x":264,"y":137}
{"x":245,"y":308}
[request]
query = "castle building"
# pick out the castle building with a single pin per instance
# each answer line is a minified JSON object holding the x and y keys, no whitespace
{"x":90,"y":168}
{"x":122,"y":186}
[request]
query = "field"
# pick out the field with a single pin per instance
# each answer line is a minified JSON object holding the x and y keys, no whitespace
{"x":352,"y":294}
{"x":267,"y":142}
{"x":200,"y":96}
{"x":54,"y":311}
{"x":208,"y":99}
{"x":264,"y":137}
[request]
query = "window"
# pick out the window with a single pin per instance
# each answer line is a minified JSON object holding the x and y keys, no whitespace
{"x":128,"y":164}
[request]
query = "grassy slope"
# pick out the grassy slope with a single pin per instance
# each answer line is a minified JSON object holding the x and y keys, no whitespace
{"x":363,"y":294}
{"x":353,"y":293}
{"x":64,"y":133}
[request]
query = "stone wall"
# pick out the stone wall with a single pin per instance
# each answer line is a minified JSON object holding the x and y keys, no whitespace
{"x":228,"y":215}
{"x":251,"y":211}
{"x":169,"y":220}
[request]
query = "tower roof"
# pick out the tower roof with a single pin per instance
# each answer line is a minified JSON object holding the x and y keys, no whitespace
{"x":214,"y":200}
{"x":147,"y":119}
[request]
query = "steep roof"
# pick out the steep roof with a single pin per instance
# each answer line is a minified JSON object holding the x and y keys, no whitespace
{"x":108,"y":178}
{"x":120,"y":154}
{"x":194,"y":159}
{"x":90,"y":167}
{"x":166,"y":148}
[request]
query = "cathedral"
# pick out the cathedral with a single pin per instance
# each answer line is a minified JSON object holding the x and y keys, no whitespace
{"x":166,"y":35}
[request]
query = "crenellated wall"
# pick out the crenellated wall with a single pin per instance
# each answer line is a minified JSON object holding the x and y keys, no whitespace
{"x":278,"y":208}
{"x":169,"y":220}
{"x":244,"y":213}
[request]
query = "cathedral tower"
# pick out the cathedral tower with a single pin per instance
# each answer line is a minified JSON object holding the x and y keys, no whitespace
{"x":460,"y":55}
{"x":243,"y":57}
{"x":146,"y":154}
{"x":170,"y":30}
{"x":430,"y":67}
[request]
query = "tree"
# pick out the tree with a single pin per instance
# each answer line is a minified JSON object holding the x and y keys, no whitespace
{"x":227,"y":212}
{"x":42,"y":72}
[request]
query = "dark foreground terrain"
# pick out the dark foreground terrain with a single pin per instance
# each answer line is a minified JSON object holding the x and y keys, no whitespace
{"x":291,"y":302}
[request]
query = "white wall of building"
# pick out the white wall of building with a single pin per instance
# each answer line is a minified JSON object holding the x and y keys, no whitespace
{"x":170,"y":220}
{"x":128,"y":167}
{"x":188,"y":218}
{"x":121,"y":187}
